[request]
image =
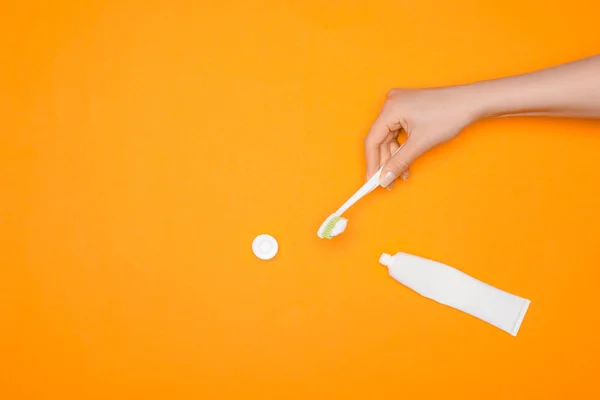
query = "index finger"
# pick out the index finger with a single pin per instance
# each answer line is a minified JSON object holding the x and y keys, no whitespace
{"x":376,"y":136}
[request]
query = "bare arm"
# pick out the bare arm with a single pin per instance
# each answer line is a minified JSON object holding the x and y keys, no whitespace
{"x":568,"y":90}
{"x":433,"y":116}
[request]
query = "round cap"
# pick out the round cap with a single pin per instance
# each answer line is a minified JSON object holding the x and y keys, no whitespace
{"x":265,"y":247}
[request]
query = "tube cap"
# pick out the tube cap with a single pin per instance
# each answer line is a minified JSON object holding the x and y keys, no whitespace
{"x":265,"y":247}
{"x":386,"y":259}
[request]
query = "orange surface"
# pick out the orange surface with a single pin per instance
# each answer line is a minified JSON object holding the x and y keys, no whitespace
{"x":144,"y":145}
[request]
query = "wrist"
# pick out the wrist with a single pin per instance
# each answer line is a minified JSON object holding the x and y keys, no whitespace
{"x":484,"y":100}
{"x":506,"y":97}
{"x":473,"y":101}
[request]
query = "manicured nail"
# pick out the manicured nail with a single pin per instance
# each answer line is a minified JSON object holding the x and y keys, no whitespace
{"x":405,"y":174}
{"x":391,"y":185}
{"x":387,"y":179}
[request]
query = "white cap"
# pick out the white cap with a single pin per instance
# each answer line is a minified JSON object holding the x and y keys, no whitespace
{"x":265,"y":247}
{"x":386,"y":259}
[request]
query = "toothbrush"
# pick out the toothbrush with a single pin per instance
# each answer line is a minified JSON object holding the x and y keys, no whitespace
{"x":335,"y":223}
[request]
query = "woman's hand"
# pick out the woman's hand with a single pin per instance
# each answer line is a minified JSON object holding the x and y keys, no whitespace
{"x":428,"y":116}
{"x":434,"y":116}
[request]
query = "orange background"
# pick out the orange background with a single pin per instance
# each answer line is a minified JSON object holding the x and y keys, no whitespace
{"x":144,"y":144}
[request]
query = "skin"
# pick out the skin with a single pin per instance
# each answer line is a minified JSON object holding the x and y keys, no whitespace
{"x":433,"y":116}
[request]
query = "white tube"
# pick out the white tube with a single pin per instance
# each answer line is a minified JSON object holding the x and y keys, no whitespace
{"x":456,"y":289}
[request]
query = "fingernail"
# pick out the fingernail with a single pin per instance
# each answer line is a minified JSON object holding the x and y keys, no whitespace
{"x":391,"y":185}
{"x":387,"y":179}
{"x":406,"y":174}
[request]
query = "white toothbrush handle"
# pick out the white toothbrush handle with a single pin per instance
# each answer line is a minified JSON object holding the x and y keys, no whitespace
{"x":367,"y":188}
{"x":364,"y":190}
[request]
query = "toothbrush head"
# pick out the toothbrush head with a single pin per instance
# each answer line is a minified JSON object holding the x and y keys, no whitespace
{"x":333,"y":226}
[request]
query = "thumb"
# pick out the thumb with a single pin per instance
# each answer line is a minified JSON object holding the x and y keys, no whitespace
{"x":399,"y":163}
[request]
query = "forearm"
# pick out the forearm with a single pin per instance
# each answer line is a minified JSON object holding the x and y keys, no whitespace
{"x":433,"y":116}
{"x":568,"y":90}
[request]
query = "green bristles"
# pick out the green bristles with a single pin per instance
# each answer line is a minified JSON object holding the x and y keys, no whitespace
{"x":326,"y":230}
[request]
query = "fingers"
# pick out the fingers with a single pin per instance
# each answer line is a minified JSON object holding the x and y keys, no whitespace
{"x":385,"y":149}
{"x":398,"y":165}
{"x":377,"y":136}
{"x":372,"y":155}
{"x":394,"y":146}
{"x":405,"y":175}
